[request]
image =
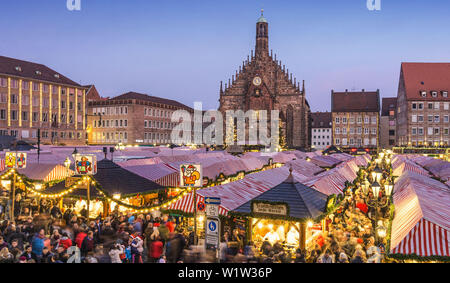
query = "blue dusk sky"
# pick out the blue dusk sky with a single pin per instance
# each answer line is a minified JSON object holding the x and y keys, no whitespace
{"x":182,"y":49}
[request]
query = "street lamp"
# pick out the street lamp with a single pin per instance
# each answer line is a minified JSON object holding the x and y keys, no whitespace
{"x":376,"y":173}
{"x":74,"y":154}
{"x":388,"y":189}
{"x":381,"y":231}
{"x":376,"y":189}
{"x":67,"y":163}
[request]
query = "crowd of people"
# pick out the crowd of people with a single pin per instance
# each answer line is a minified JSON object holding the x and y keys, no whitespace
{"x":72,"y":238}
{"x":350,"y":232}
{"x":56,"y":237}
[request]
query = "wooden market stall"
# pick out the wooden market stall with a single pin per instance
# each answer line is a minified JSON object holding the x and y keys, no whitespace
{"x":112,"y":184}
{"x":286,"y":213}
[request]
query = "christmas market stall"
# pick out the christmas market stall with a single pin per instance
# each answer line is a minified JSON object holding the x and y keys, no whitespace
{"x":287,"y":214}
{"x":232,"y":194}
{"x":112,"y":188}
{"x":420,"y":227}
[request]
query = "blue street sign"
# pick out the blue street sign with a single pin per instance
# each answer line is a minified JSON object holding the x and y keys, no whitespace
{"x":212,"y":200}
{"x":212,"y":226}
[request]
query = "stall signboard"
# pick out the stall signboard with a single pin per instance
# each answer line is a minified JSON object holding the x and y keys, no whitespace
{"x":85,"y":164}
{"x":17,"y":160}
{"x":70,"y":181}
{"x":270,"y":209}
{"x":191,"y":175}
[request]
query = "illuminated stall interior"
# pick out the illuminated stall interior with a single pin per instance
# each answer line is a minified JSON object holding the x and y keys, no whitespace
{"x":111,"y":182}
{"x":289,"y":214}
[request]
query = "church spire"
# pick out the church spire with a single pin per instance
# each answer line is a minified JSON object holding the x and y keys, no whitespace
{"x":262,"y":36}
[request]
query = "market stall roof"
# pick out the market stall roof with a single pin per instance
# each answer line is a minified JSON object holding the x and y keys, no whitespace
{"x":325,"y":160}
{"x":438,"y":167}
{"x":114,"y":179}
{"x":402,"y":164}
{"x":236,"y":193}
{"x":45,"y":172}
{"x":303,"y":202}
{"x":331,"y":149}
{"x":421,"y":224}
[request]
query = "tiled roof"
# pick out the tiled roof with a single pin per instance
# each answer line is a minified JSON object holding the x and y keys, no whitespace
{"x":426,"y":77}
{"x":321,"y":120}
{"x":146,"y":97}
{"x":25,"y":69}
{"x":361,"y":101}
{"x":304,"y":202}
{"x":388,"y":103}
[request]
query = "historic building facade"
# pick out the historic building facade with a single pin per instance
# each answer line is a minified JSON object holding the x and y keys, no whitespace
{"x":35,"y":98}
{"x":356,"y":119}
{"x":388,"y":122}
{"x":423,"y":104}
{"x":263,"y":83}
{"x":132,"y":118}
{"x":321,"y":130}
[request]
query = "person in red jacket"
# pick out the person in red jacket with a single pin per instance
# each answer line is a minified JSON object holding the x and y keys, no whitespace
{"x":156,"y":250}
{"x":362,"y":206}
{"x":65,"y":241}
{"x":79,"y":238}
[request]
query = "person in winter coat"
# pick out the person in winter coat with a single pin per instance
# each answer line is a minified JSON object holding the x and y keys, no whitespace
{"x":29,"y":254}
{"x":358,"y":257}
{"x":325,"y":257}
{"x":79,"y":238}
{"x":3,"y":244}
{"x":163,"y":232}
{"x":65,"y":241}
{"x":55,"y":212}
{"x":175,"y":248}
{"x":88,"y":244}
{"x":15,"y":235}
{"x":38,"y":243}
{"x":157,"y":249}
{"x":46,"y":256}
{"x":137,"y":247}
{"x":115,"y":253}
{"x":15,"y":250}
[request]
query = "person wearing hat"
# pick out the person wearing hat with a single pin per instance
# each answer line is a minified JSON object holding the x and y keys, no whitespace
{"x":22,"y":259}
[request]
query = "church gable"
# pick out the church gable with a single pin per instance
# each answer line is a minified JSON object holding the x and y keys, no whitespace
{"x":263,"y":83}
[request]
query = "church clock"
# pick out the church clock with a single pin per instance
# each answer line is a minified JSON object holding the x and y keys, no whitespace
{"x":257,"y":81}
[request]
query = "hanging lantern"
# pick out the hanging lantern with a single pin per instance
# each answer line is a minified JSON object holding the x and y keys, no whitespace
{"x":376,"y":189}
{"x":377,"y":173}
{"x":388,"y":188}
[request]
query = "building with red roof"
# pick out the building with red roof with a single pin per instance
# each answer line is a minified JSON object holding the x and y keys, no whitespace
{"x":356,"y":118}
{"x":423,"y":104}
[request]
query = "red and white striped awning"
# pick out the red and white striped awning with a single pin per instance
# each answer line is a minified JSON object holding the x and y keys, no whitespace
{"x":421,"y":224}
{"x":45,"y":172}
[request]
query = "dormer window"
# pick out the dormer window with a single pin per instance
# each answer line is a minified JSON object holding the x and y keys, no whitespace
{"x":445,"y":93}
{"x":57,"y":76}
{"x":434,"y":94}
{"x":423,"y":93}
{"x":38,"y":73}
{"x":19,"y":69}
